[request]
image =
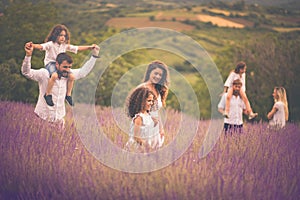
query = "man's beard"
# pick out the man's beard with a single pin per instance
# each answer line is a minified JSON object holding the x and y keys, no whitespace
{"x":236,"y":92}
{"x":62,"y":74}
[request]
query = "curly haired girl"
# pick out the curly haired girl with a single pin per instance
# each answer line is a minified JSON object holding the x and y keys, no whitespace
{"x":144,"y":128}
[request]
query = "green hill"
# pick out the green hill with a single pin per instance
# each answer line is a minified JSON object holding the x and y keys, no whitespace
{"x":268,"y":41}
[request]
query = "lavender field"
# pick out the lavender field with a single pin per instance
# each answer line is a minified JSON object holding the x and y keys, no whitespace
{"x":40,"y":160}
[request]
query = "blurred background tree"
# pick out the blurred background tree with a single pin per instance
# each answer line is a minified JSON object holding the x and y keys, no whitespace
{"x":272,"y":57}
{"x":22,"y":21}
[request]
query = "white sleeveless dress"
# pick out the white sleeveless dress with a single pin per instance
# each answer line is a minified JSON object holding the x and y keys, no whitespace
{"x":148,"y":131}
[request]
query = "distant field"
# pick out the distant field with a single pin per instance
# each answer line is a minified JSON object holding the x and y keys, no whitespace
{"x":241,"y":21}
{"x":225,"y":12}
{"x":173,"y":18}
{"x":200,"y":9}
{"x":130,"y":22}
{"x":281,"y":29}
{"x":287,"y":20}
{"x":178,"y":14}
{"x":219,"y":21}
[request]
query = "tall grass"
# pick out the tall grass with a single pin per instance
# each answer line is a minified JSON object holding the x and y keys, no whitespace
{"x":39,"y":160}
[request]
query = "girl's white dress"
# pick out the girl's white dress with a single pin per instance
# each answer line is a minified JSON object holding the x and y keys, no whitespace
{"x":149,"y":131}
{"x":278,"y":120}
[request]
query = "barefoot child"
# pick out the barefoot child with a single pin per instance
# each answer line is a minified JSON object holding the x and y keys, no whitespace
{"x":58,"y":41}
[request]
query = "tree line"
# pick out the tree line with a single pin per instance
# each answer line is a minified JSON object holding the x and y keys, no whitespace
{"x":272,"y":57}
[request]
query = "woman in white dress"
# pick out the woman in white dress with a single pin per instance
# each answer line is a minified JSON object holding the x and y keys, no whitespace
{"x":156,"y":79}
{"x":280,"y":112}
{"x":143,"y":128}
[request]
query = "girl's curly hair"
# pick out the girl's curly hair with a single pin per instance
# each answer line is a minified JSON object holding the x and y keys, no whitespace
{"x":136,"y":100}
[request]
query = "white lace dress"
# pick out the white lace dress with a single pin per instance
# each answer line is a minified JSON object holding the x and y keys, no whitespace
{"x":148,"y":131}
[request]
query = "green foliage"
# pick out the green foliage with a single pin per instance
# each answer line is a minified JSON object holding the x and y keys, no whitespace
{"x":13,"y":86}
{"x":152,"y":18}
{"x":112,"y":76}
{"x":272,"y":58}
{"x":23,"y":22}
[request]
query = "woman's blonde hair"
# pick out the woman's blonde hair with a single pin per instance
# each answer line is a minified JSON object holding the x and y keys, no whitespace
{"x":281,"y":96}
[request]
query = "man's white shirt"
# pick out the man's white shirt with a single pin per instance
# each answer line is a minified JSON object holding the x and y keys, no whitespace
{"x":56,"y":112}
{"x":236,"y":109}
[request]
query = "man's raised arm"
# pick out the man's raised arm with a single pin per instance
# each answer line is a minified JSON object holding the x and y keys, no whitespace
{"x":26,"y":65}
{"x":88,"y":66}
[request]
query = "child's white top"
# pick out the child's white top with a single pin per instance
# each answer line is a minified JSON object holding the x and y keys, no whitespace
{"x":278,"y":119}
{"x":149,"y":131}
{"x":233,"y":76}
{"x":53,"y":49}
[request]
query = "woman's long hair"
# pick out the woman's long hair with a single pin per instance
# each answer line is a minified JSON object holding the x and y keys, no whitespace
{"x":162,"y":85}
{"x":281,"y":96}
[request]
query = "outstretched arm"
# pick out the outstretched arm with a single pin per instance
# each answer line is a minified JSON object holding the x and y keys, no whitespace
{"x":272,"y":112}
{"x":35,"y":46}
{"x":26,"y":65}
{"x":83,"y":48}
{"x":88,"y":66}
{"x":29,"y":48}
{"x":38,"y":46}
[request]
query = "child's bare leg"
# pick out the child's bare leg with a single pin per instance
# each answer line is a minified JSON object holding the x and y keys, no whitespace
{"x":70,"y":85}
{"x":246,"y":101}
{"x":248,"y":106}
{"x":71,"y":80}
{"x":48,"y":96}
{"x":51,"y":82}
{"x":227,"y":104}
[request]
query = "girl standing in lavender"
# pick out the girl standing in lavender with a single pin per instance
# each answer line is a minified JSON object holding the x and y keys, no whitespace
{"x":143,"y":127}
